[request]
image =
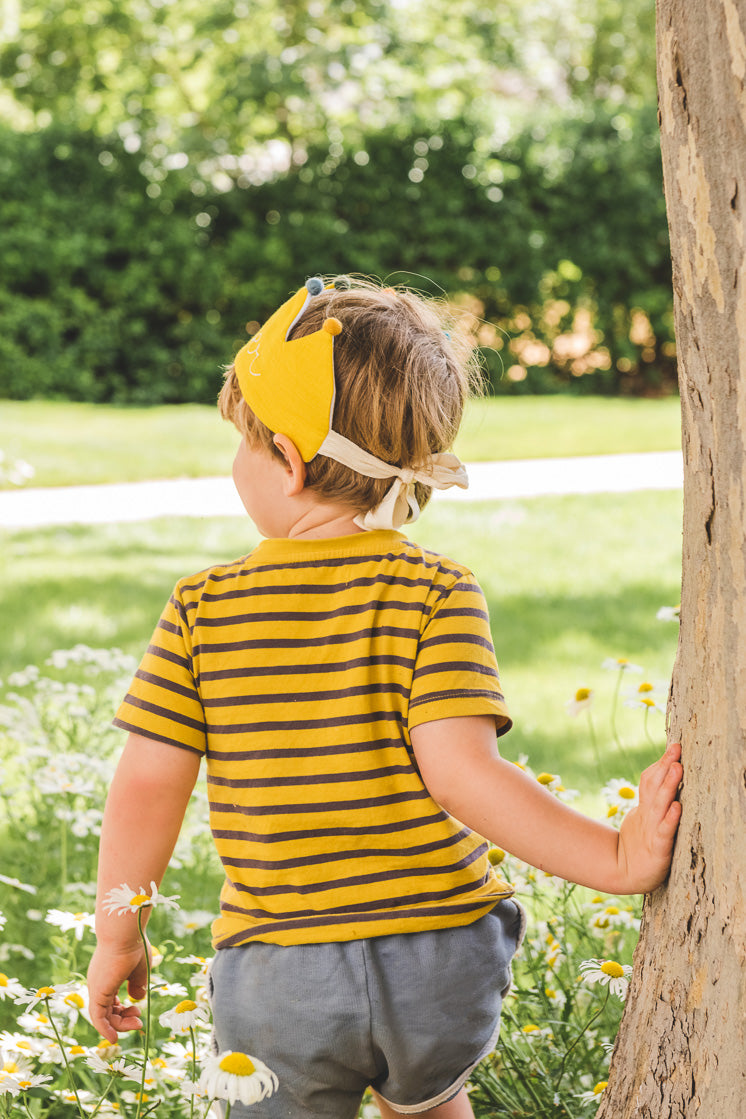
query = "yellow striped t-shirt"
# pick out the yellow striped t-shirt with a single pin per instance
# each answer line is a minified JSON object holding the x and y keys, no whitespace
{"x":300,"y":671}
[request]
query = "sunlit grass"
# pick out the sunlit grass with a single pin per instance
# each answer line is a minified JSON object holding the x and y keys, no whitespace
{"x":72,"y":444}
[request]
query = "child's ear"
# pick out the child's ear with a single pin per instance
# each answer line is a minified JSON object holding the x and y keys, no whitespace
{"x":294,"y":465}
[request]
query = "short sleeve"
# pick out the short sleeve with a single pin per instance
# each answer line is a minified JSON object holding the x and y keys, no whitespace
{"x":163,"y":701}
{"x":456,"y":670}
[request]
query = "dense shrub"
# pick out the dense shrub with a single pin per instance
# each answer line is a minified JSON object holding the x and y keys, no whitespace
{"x":119,"y":288}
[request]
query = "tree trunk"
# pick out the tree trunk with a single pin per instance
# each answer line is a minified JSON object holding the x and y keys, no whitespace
{"x":681,"y":1049}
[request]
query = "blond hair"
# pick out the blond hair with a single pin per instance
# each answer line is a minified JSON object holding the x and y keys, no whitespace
{"x":402,"y":380}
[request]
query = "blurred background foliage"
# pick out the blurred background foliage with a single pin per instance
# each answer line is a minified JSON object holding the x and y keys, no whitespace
{"x":170,"y":171}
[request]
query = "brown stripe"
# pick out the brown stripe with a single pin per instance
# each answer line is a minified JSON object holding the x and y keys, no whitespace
{"x":303,"y":888}
{"x":308,"y":697}
{"x":307,"y":751}
{"x":164,"y":712}
{"x":169,"y":685}
{"x":305,"y":724}
{"x":324,"y":806}
{"x":456,"y":666}
{"x":333,"y":914}
{"x":379,"y":579}
{"x":310,"y":779}
{"x":303,"y":670}
{"x":457,"y":693}
{"x":323,"y":833}
{"x":459,"y":639}
{"x":247,"y":644}
{"x":117,"y":722}
{"x":167,"y":655}
{"x":372,"y":606}
{"x":343,"y":856}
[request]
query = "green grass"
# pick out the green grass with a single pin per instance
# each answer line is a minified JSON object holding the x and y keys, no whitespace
{"x":569,"y":581}
{"x":71,"y":444}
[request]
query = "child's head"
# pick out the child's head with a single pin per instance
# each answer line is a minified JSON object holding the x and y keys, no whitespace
{"x":401,"y":384}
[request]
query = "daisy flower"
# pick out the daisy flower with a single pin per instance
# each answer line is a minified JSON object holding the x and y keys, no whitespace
{"x":121,"y":899}
{"x":593,"y":1097}
{"x":25,"y":1081}
{"x":620,"y":664}
{"x":117,"y":1067}
{"x":608,"y":973}
{"x":610,"y":917}
{"x":39,"y":994}
{"x":78,"y":922}
{"x":163,"y":987}
{"x":669,"y":613}
{"x":236,"y":1076}
{"x":581,"y":701}
{"x":182,"y":1017}
{"x":10,"y":988}
{"x":620,"y":796}
{"x":18,"y":884}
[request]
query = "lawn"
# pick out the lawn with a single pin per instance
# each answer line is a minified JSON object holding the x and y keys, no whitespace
{"x":570,"y":581}
{"x":70,"y":444}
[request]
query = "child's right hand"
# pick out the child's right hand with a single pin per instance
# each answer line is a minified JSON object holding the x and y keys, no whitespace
{"x":109,"y":969}
{"x":647,"y":834}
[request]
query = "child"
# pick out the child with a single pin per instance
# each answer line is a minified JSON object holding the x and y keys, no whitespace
{"x":342,"y":685}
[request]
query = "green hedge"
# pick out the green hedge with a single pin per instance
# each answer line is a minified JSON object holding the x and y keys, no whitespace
{"x":118,"y":288}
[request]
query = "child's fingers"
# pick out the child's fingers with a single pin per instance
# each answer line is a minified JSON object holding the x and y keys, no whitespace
{"x":657,"y":775}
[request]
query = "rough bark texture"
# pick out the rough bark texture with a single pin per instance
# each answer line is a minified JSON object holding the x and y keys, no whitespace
{"x":681,"y":1050}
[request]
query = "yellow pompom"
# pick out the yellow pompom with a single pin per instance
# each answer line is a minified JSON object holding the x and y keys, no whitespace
{"x":332,"y":326}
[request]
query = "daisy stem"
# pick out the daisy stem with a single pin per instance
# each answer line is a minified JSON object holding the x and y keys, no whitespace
{"x":101,"y":1102}
{"x":146,"y":1043}
{"x":63,"y":856}
{"x":614,"y":705}
{"x":227,"y":1110}
{"x":69,"y":1071}
{"x":645,"y":727}
{"x":194,"y":1069}
{"x":594,"y":744}
{"x":584,"y":1030}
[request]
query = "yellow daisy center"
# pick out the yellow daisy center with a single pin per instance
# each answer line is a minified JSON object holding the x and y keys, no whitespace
{"x":45,"y":992}
{"x":76,"y":1050}
{"x":647,"y":702}
{"x":496,"y":855}
{"x":237,"y":1064}
{"x":582,"y":694}
{"x":645,"y":687}
{"x":612,"y":968}
{"x":612,"y":810}
{"x":626,"y":793}
{"x":3,"y":980}
{"x":622,"y":660}
{"x":75,"y":1000}
{"x":545,"y":778}
{"x":185,"y":1006}
{"x":10,"y":1066}
{"x":78,"y":916}
{"x":139,"y":899}
{"x":600,"y":1087}
{"x":530,"y":1028}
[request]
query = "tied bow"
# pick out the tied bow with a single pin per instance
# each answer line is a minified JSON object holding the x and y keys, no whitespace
{"x":399,"y":505}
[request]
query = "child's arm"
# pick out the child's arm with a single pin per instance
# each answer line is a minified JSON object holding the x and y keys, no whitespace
{"x":463,"y":771}
{"x":144,"y":811}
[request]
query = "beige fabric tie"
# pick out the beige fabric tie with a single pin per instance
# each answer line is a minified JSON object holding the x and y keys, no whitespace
{"x":399,"y":505}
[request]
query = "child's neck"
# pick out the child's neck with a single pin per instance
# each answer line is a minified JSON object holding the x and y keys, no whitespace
{"x":321,"y":521}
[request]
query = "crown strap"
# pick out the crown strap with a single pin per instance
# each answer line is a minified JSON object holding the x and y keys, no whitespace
{"x":399,"y":505}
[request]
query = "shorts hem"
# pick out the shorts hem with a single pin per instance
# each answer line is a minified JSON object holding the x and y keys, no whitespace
{"x":449,"y":1092}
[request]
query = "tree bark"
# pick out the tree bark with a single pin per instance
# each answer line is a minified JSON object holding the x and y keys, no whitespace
{"x":681,"y":1049}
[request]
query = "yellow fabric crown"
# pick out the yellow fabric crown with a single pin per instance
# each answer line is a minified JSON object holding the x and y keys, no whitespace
{"x":289,"y":385}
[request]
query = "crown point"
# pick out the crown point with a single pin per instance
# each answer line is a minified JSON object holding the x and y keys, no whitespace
{"x":332,"y":326}
{"x":315,"y":285}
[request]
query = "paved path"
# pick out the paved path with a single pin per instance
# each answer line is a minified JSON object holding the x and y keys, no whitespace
{"x":216,"y":497}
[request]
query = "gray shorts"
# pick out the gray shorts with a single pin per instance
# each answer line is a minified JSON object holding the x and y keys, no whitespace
{"x":410,"y":1015}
